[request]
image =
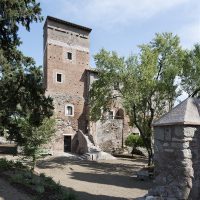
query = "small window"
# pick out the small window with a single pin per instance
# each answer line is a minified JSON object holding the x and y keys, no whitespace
{"x":110,"y":114}
{"x":59,"y":78}
{"x":69,"y":55}
{"x":116,"y":86}
{"x":69,"y":110}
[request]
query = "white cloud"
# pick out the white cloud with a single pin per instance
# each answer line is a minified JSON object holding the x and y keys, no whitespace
{"x":190,"y":34}
{"x":112,"y":12}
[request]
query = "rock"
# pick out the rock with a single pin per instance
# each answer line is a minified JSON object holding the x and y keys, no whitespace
{"x":152,"y":198}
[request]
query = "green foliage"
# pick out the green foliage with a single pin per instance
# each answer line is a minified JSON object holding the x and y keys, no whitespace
{"x":134,"y":140}
{"x":41,"y":187}
{"x":190,"y":76}
{"x":12,"y":14}
{"x":148,"y":86}
{"x":7,"y":165}
{"x":34,"y":137}
{"x":22,"y":94}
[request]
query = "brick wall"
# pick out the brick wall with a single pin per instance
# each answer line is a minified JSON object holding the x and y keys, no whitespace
{"x":59,"y":40}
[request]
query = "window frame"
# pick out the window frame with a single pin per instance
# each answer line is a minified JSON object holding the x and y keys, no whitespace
{"x":66,"y":111}
{"x":69,"y":55}
{"x":109,"y":114}
{"x":57,"y":73}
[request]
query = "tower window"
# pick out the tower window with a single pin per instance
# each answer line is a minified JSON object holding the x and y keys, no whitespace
{"x":59,"y":78}
{"x":110,"y":114}
{"x":69,"y":55}
{"x":69,"y":110}
{"x":116,"y":86}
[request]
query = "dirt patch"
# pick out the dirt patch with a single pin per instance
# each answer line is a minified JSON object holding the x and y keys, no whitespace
{"x":102,"y":180}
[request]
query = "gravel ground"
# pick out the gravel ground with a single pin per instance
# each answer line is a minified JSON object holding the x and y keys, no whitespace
{"x":90,"y":180}
{"x":102,"y":180}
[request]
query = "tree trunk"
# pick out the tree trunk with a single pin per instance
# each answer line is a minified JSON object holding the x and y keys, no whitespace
{"x":33,"y":163}
{"x":150,"y":157}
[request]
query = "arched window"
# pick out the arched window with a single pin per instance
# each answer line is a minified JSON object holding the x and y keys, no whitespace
{"x":69,"y":110}
{"x":119,"y":114}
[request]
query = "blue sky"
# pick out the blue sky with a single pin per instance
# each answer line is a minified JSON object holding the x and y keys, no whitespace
{"x":119,"y":25}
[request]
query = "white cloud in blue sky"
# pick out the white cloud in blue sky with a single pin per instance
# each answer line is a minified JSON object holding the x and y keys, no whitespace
{"x":120,"y":25}
{"x":112,"y":12}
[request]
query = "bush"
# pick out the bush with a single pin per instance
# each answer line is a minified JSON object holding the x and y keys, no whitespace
{"x":134,"y":141}
{"x":9,"y":164}
{"x":5,"y":164}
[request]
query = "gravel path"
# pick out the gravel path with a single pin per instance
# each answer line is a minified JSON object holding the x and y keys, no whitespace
{"x":102,"y":180}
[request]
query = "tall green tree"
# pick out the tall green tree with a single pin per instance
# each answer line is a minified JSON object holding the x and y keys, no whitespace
{"x":21,"y":82}
{"x":147,"y":82}
{"x":191,"y":70}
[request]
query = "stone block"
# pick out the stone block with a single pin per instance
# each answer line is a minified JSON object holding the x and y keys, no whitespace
{"x":187,"y":153}
{"x":158,"y":145}
{"x":167,"y":134}
{"x":181,"y":140}
{"x":189,"y":131}
{"x":159,"y":133}
{"x":169,"y":150}
{"x":152,"y":198}
{"x":166,"y":144}
{"x":180,"y":145}
{"x":178,"y":132}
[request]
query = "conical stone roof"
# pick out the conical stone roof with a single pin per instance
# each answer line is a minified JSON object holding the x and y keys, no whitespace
{"x":187,"y":112}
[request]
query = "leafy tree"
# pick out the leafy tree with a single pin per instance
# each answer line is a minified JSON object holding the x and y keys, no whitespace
{"x":190,"y":76}
{"x":21,"y":82}
{"x":12,"y":14}
{"x":147,"y":82}
{"x":34,"y":138}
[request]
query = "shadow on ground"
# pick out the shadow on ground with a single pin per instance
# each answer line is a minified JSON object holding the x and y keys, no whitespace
{"x":104,"y":167}
{"x":111,"y":179}
{"x":87,"y":196}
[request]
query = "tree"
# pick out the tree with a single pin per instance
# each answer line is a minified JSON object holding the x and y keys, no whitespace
{"x":148,"y":83}
{"x":12,"y":14}
{"x":34,"y":138}
{"x":190,"y":76}
{"x":21,"y":82}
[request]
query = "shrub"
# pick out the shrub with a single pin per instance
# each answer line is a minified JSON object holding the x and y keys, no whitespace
{"x":6,"y":164}
{"x":9,"y":164}
{"x":134,"y":141}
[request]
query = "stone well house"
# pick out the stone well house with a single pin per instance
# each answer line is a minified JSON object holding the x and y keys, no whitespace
{"x":67,"y":79}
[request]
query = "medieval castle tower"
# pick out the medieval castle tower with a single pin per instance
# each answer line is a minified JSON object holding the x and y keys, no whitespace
{"x":67,"y":79}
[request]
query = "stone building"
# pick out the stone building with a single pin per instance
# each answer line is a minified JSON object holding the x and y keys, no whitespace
{"x":177,"y":153}
{"x":67,"y":79}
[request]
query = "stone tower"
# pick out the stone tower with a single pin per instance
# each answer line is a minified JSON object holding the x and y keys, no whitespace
{"x":66,"y":60}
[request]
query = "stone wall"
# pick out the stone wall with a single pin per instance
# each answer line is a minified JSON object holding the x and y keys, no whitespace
{"x":177,"y":153}
{"x":175,"y":165}
{"x":108,"y":134}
